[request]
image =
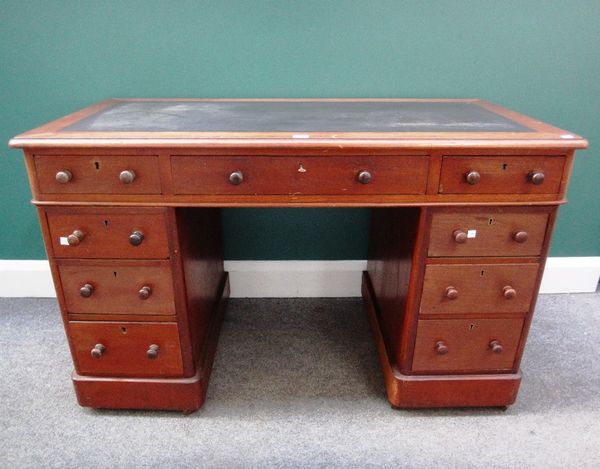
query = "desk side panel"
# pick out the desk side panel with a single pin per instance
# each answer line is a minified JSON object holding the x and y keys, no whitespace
{"x":392,"y":241}
{"x":201,"y":262}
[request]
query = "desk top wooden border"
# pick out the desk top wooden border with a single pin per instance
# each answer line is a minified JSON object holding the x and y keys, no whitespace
{"x":544,"y":135}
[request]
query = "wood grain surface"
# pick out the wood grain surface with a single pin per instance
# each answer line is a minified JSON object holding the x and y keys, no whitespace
{"x":479,"y":288}
{"x":492,"y":229}
{"x":468,"y":343}
{"x":300,"y":176}
{"x":106,"y":232}
{"x":98,"y":174}
{"x":116,"y":285}
{"x":501,"y":175}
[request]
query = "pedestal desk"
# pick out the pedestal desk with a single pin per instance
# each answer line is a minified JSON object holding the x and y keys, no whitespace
{"x":464,"y":195}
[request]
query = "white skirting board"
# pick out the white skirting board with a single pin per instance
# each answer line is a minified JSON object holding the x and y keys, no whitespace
{"x":280,"y":279}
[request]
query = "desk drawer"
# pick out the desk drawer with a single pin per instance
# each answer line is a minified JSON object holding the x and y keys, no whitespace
{"x":108,"y":233}
{"x":481,"y":288}
{"x":117,"y":287}
{"x":501,"y":175}
{"x":86,"y":174}
{"x":466,"y":345}
{"x":126,"y":349}
{"x":490,"y":231}
{"x":293,"y":175}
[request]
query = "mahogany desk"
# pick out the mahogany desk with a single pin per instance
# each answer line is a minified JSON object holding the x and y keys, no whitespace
{"x":464,"y":195}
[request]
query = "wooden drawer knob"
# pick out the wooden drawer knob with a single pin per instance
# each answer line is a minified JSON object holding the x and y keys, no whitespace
{"x":86,"y":291}
{"x":451,"y":293}
{"x":441,"y":348}
{"x":520,"y":236}
{"x":64,"y":176}
{"x":127,"y":176}
{"x":472,"y":177}
{"x":152,"y":352}
{"x":136,"y":238}
{"x":509,"y":292}
{"x":495,"y":346}
{"x":145,"y":292}
{"x":98,"y":350}
{"x":536,"y":177}
{"x":236,"y":178}
{"x":75,"y":238}
{"x":460,"y":236}
{"x":364,"y":177}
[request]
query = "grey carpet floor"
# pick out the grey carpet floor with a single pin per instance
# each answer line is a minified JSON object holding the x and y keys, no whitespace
{"x":296,"y":383}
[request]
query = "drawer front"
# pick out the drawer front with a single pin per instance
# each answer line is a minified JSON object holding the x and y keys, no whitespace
{"x":300,"y":176}
{"x":125,"y":349}
{"x":109,"y":287}
{"x":85,"y":174}
{"x":501,"y":175}
{"x":98,"y":233}
{"x":466,"y":345}
{"x":480,"y":288}
{"x":490,"y":232}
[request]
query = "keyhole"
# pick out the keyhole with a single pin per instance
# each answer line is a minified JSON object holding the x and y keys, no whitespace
{"x":115,"y":274}
{"x":123,"y":330}
{"x":106,"y":223}
{"x":481,"y":273}
{"x":490,"y":221}
{"x":504,"y":166}
{"x":97,"y":165}
{"x":471,"y":327}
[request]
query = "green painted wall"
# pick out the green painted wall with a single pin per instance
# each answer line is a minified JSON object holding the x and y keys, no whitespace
{"x":541,"y":58}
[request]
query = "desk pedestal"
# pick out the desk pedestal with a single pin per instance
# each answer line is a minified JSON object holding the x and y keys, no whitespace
{"x":184,"y":394}
{"x":413,"y":391}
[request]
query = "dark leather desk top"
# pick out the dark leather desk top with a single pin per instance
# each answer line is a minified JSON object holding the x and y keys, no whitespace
{"x":298,"y":123}
{"x":290,"y":116}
